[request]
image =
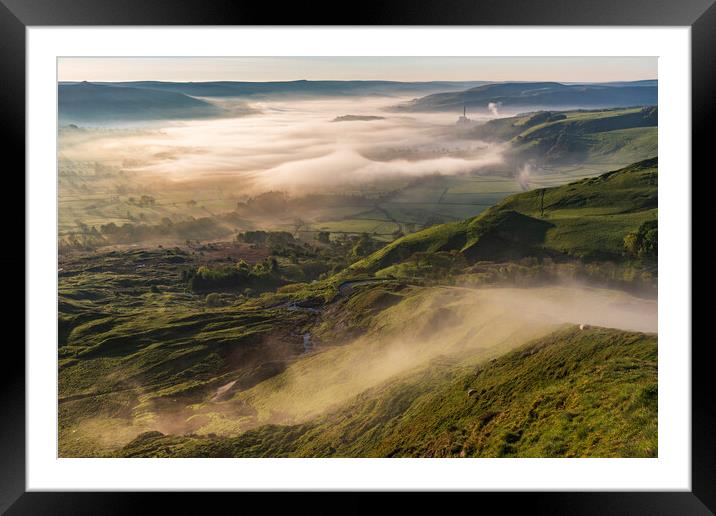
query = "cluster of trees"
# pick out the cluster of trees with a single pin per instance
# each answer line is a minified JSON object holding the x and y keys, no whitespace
{"x":266,"y":238}
{"x":239,"y":276}
{"x":280,"y":202}
{"x":331,"y":255}
{"x":267,"y":202}
{"x":291,"y":260}
{"x":194,"y":229}
{"x":90,"y":237}
{"x":643,"y":243}
{"x":362,"y":246}
{"x":323,"y":237}
{"x":80,"y":242}
{"x":144,"y":201}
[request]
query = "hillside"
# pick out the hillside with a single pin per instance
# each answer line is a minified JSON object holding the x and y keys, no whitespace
{"x":295,"y":88}
{"x":139,"y":354}
{"x":536,"y":95}
{"x":558,"y":137}
{"x":446,"y":342}
{"x":590,"y":393}
{"x":586,"y":219}
{"x":89,"y":102}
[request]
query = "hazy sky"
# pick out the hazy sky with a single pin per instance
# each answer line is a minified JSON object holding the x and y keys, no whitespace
{"x":565,"y":69}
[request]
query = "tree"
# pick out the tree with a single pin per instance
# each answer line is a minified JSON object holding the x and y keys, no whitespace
{"x":631,"y":244}
{"x":324,"y":237}
{"x":363,"y":247}
{"x":643,"y":243}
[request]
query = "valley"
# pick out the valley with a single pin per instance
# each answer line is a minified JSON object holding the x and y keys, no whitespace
{"x":531,"y":346}
{"x":359,"y":267}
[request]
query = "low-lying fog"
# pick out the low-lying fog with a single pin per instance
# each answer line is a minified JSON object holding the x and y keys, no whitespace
{"x":440,"y":322}
{"x":292,"y":145}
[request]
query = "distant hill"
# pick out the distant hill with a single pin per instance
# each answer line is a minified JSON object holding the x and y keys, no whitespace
{"x":357,"y":118}
{"x":586,"y":219}
{"x":89,"y":102}
{"x":645,"y":82}
{"x":296,"y":88}
{"x":537,"y":95}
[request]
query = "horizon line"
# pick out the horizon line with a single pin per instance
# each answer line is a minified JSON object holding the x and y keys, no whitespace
{"x":355,"y":80}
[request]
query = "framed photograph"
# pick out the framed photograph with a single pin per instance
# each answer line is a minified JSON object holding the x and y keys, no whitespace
{"x":408,"y":250}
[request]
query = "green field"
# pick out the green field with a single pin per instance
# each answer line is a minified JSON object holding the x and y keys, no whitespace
{"x":586,"y":219}
{"x":460,"y":340}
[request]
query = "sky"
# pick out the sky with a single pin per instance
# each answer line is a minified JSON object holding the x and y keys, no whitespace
{"x":198,"y":69}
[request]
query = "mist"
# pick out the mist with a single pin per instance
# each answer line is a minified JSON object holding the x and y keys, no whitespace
{"x":524,"y":174}
{"x":294,"y":146}
{"x":453,"y":323}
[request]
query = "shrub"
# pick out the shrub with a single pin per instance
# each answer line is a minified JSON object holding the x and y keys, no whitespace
{"x":213,"y":300}
{"x":644,"y":242}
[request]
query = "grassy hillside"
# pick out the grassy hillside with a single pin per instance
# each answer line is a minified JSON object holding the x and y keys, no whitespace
{"x":593,"y":137}
{"x":136,"y":345}
{"x":384,"y":358}
{"x":586,"y":393}
{"x":139,"y":354}
{"x":585,"y":219}
{"x":536,"y":95}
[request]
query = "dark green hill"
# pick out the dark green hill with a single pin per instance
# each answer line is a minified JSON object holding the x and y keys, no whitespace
{"x":574,"y":393}
{"x":536,"y":95}
{"x":589,"y":219}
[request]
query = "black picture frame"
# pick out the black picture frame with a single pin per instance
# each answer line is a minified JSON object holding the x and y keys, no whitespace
{"x":17,"y":15}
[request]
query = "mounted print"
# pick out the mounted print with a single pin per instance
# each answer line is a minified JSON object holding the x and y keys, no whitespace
{"x":357,"y":257}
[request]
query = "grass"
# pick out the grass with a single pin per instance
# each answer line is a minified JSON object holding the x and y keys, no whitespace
{"x":129,"y":354}
{"x":134,"y":361}
{"x":573,"y":393}
{"x":588,"y":138}
{"x":142,"y":358}
{"x":584,"y":219}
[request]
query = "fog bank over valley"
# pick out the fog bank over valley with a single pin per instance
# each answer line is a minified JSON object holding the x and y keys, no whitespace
{"x":293,"y":146}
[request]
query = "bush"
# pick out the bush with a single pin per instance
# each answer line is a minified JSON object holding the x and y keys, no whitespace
{"x":644,"y":242}
{"x":213,"y":300}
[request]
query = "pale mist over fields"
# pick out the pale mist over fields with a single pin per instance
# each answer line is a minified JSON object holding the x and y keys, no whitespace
{"x":290,"y":145}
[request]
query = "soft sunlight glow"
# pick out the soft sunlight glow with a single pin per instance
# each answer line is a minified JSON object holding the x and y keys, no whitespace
{"x":563,"y":69}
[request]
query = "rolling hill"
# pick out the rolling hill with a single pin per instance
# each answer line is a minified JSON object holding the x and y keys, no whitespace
{"x":587,"y":219}
{"x":300,"y":88}
{"x":396,"y":365}
{"x":582,"y":136}
{"x":571,"y":393}
{"x":95,"y":103}
{"x":536,"y":95}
